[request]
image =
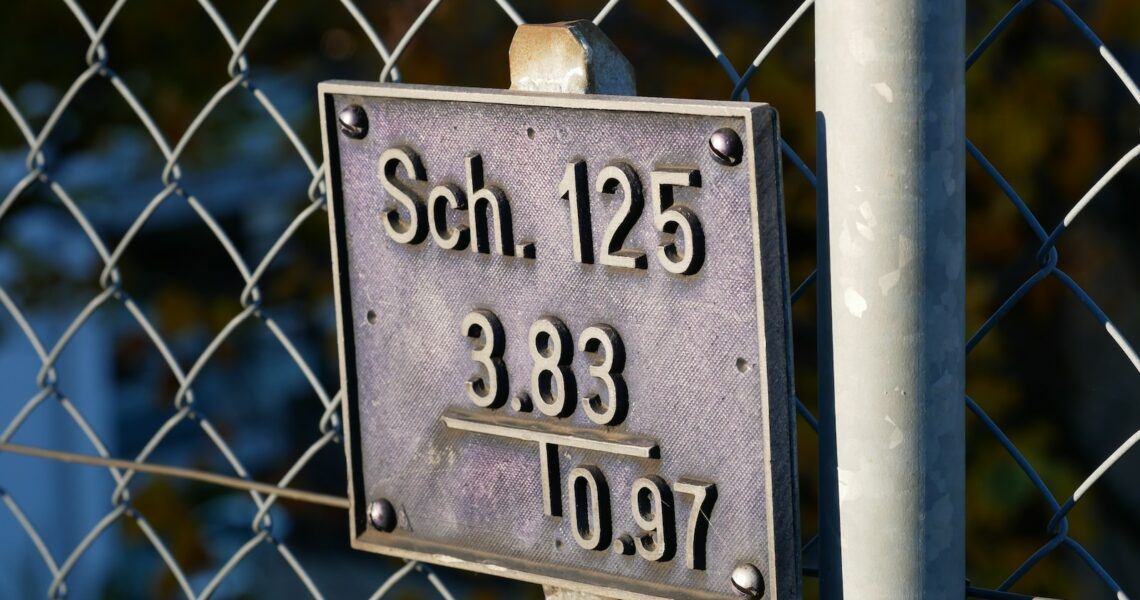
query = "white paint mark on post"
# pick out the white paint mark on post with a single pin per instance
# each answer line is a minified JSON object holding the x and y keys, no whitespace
{"x":885,"y":91}
{"x":856,"y":303}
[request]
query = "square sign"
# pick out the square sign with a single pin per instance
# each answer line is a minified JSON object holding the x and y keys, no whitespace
{"x":564,"y":337}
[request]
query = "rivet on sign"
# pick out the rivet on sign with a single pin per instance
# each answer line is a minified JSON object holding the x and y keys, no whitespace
{"x":747,"y":581}
{"x":726,"y":146}
{"x":353,"y":122}
{"x":382,"y":515}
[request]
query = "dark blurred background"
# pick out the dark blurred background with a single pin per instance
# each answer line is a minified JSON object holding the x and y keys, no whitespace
{"x":1042,"y":105}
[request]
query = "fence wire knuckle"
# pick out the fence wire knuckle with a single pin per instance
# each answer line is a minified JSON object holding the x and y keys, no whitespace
{"x":248,"y":308}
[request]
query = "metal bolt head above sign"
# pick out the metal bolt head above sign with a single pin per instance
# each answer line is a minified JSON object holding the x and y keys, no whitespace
{"x":564,"y":337}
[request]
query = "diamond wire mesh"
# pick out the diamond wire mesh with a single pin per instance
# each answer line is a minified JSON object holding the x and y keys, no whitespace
{"x":97,"y":58}
{"x":1046,"y":256}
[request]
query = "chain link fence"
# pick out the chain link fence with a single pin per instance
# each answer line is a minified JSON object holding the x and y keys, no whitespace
{"x":116,"y":222}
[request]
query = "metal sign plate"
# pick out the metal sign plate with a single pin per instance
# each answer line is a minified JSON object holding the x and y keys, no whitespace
{"x":564,"y":336}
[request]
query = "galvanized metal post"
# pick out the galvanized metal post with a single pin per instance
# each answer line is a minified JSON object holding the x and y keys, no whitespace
{"x":890,"y":115}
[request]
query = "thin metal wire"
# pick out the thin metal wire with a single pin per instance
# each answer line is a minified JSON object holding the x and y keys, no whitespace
{"x":248,"y":309}
{"x":183,"y":473}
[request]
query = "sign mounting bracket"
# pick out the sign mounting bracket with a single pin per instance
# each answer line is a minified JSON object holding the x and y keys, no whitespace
{"x":574,"y":57}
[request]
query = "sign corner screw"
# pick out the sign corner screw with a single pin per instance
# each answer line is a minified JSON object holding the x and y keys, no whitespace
{"x":382,"y":515}
{"x":726,"y":146}
{"x":353,"y":121}
{"x":748,"y":581}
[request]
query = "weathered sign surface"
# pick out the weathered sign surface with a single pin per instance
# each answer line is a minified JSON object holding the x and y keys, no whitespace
{"x":564,"y":336}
